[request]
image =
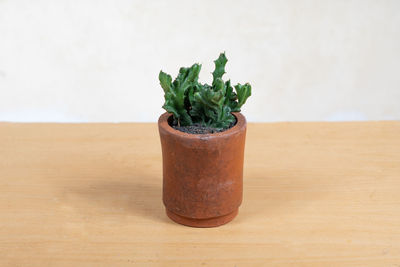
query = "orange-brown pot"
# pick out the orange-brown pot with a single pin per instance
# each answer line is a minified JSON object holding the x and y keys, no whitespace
{"x":202,"y":173}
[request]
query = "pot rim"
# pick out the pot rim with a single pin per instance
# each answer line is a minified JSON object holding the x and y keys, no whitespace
{"x":238,"y":127}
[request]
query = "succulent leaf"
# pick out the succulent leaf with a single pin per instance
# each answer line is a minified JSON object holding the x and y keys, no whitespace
{"x":243,"y":92}
{"x":165,"y":81}
{"x":220,"y":63}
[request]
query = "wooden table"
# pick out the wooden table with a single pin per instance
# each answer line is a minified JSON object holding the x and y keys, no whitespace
{"x":316,"y":194}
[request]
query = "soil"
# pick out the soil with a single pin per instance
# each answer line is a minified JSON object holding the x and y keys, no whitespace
{"x":198,"y":129}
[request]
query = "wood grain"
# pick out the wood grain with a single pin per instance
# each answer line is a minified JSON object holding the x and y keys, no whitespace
{"x":315,"y":194}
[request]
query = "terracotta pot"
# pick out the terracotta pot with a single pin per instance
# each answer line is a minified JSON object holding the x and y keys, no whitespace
{"x":202,"y":173}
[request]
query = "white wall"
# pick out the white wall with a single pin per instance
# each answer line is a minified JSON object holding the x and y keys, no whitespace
{"x":89,"y":61}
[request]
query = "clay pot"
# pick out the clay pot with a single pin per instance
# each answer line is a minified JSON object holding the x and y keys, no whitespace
{"x":202,"y":173}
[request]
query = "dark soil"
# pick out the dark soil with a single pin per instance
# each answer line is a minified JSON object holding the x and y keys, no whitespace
{"x":198,"y":129}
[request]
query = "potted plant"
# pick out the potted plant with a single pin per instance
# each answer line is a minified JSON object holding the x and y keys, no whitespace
{"x":202,"y":138}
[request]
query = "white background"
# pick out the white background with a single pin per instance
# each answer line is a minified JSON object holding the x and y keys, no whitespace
{"x":95,"y":61}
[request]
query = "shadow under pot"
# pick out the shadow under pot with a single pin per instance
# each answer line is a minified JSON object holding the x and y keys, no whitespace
{"x":202,"y":173}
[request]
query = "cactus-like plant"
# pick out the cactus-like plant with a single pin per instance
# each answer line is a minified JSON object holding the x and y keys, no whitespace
{"x":191,"y":102}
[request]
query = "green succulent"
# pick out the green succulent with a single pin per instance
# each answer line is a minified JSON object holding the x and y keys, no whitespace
{"x":191,"y":102}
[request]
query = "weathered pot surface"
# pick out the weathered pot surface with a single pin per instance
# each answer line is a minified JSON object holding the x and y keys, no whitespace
{"x":202,"y":173}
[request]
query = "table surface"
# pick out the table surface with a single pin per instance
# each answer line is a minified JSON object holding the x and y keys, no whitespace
{"x":315,"y":194}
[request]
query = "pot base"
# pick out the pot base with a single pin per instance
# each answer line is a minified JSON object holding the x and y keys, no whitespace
{"x":203,"y":223}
